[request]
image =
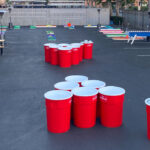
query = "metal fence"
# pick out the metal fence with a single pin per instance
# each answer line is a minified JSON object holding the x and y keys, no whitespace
{"x":136,"y":20}
{"x":57,"y":16}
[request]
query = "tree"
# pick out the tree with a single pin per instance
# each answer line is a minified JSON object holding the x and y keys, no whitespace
{"x":2,"y":2}
{"x":123,"y":4}
{"x":47,"y":1}
{"x":107,"y":3}
{"x":149,"y":5}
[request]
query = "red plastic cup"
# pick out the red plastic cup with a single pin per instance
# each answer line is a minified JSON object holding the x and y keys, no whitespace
{"x":64,"y":55}
{"x":54,"y":54}
{"x":58,"y":110}
{"x":88,"y":50}
{"x":81,"y":51}
{"x":66,"y":85}
{"x":111,"y":106}
{"x":84,"y":107}
{"x":77,"y":78}
{"x":47,"y":52}
{"x":97,"y":84}
{"x":75,"y":53}
{"x":147,"y":102}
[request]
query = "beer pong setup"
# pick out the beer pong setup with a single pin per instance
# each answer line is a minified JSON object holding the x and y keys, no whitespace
{"x":78,"y":99}
{"x":82,"y":101}
{"x":66,"y":55}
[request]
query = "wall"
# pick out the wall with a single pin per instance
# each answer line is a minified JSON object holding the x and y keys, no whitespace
{"x":136,"y":20}
{"x":57,"y":16}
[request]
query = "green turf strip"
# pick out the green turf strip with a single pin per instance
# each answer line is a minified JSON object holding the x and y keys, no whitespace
{"x":4,"y":27}
{"x":49,"y":32}
{"x":16,"y":27}
{"x":116,"y":35}
{"x":32,"y":27}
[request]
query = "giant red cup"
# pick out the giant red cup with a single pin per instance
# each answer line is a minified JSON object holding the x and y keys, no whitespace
{"x":147,"y":102}
{"x":88,"y":50}
{"x":81,"y":51}
{"x":58,"y":110}
{"x":66,"y":85}
{"x":54,"y":54}
{"x":97,"y":84}
{"x":47,"y":52}
{"x":77,"y":78}
{"x":111,"y":106}
{"x":83,"y":42}
{"x":64,"y":55}
{"x":75,"y":54}
{"x":84,"y":107}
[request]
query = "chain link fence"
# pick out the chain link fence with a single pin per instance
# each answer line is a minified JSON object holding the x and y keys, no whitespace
{"x":136,"y":20}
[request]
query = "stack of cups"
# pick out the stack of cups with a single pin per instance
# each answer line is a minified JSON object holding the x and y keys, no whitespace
{"x":66,"y":55}
{"x":76,"y":78}
{"x":84,"y":107}
{"x":76,"y":99}
{"x":58,"y":110}
{"x":97,"y":84}
{"x":147,"y":102}
{"x":111,"y":106}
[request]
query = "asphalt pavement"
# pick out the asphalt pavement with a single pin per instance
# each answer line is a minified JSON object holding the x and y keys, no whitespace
{"x":25,"y":77}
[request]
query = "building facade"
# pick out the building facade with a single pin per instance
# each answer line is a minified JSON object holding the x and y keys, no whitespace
{"x":49,"y":3}
{"x":139,"y":2}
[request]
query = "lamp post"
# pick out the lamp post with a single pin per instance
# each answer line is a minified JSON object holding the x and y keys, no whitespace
{"x":10,"y":25}
{"x":99,"y":24}
{"x":1,"y":16}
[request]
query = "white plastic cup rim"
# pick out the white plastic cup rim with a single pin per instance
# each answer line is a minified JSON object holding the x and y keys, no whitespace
{"x":85,"y":41}
{"x":147,"y":101}
{"x":90,"y":41}
{"x":112,"y":91}
{"x":64,"y":45}
{"x":50,"y":44}
{"x":75,"y":45}
{"x":66,"y":85}
{"x":47,"y":44}
{"x":93,"y":83}
{"x":64,"y":48}
{"x":53,"y":46}
{"x":84,"y":91}
{"x":57,"y":95}
{"x":76,"y":78}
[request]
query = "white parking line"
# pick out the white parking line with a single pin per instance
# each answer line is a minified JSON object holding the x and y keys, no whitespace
{"x":134,"y":48}
{"x":143,"y":55}
{"x":16,"y":42}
